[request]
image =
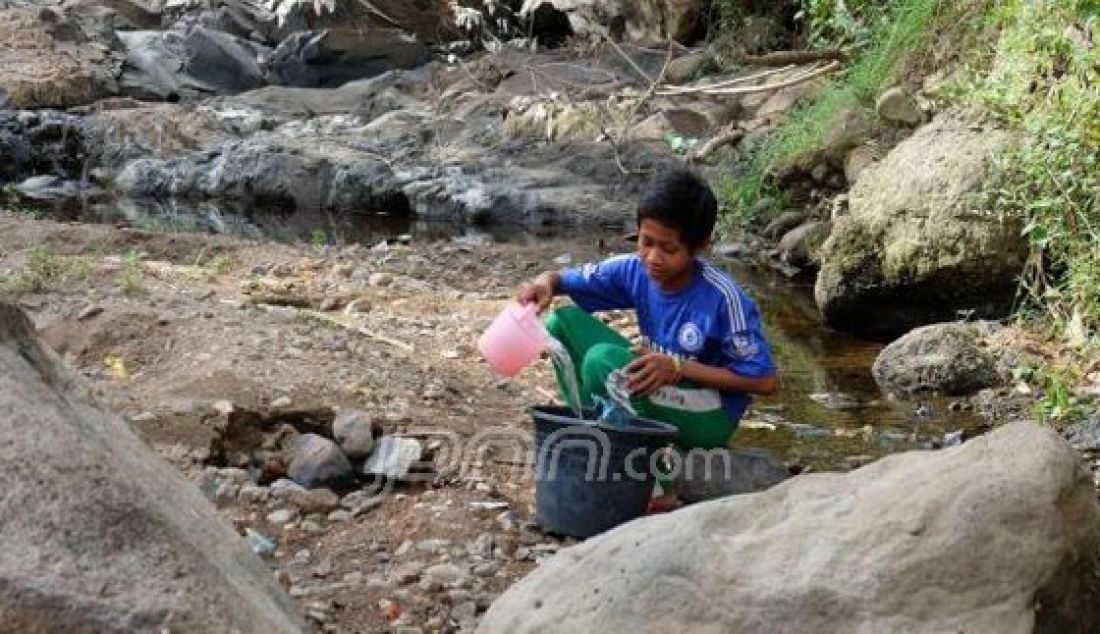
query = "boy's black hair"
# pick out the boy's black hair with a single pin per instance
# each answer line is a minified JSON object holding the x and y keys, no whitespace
{"x":680,"y":199}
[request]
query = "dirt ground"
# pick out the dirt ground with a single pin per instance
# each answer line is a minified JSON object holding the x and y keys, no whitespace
{"x":175,"y":329}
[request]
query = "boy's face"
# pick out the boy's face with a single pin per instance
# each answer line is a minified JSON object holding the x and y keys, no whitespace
{"x":667,"y":259}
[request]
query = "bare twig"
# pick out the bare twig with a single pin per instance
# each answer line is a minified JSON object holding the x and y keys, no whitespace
{"x":629,"y":59}
{"x":629,"y":121}
{"x":786,"y":58}
{"x":670,"y":90}
{"x":748,"y":90}
{"x":728,"y":136}
{"x":359,"y":329}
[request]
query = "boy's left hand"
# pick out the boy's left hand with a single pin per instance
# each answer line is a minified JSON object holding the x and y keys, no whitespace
{"x":651,"y":371}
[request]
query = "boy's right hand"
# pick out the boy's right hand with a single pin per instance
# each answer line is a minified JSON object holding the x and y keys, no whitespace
{"x":539,"y":291}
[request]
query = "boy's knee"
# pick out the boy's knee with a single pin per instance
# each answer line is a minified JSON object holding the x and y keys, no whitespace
{"x":603,"y":359}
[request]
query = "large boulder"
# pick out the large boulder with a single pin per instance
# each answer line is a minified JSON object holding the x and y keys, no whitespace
{"x":945,"y":358}
{"x":173,"y":64}
{"x":640,"y":20}
{"x":916,"y":247}
{"x":984,"y":537}
{"x":100,"y":535}
{"x":333,"y":58}
{"x":271,"y":172}
{"x":49,"y":61}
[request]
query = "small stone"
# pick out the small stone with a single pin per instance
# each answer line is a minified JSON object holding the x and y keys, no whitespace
{"x":281,"y":402}
{"x":487,"y":570}
{"x":353,"y":578}
{"x":252,"y":494}
{"x":444,"y":575}
{"x":330,"y":303}
{"x":380,"y":279}
{"x":280,"y":517}
{"x":353,"y":430}
{"x":340,"y":516}
{"x":314,"y":500}
{"x":508,"y":521}
{"x":144,"y":417}
{"x":316,"y":461}
{"x":309,"y":526}
{"x":224,"y":407}
{"x":522,"y":553}
{"x":433,"y":546}
{"x":407,"y":573}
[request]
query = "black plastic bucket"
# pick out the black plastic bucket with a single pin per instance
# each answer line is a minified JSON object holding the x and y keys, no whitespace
{"x":590,"y":477}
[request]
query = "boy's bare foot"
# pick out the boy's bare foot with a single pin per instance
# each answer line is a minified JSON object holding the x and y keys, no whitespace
{"x":663,"y":504}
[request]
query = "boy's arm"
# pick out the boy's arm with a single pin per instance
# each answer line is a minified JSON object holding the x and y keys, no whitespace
{"x":540,"y":291}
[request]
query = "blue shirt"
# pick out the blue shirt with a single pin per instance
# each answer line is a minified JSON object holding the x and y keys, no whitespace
{"x":711,"y":320}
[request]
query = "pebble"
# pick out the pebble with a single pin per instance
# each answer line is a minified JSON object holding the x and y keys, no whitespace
{"x":443,"y":576}
{"x":252,"y":494}
{"x":487,"y":570}
{"x":508,"y":521}
{"x":280,"y":517}
{"x":144,"y":417}
{"x":312,"y":527}
{"x":406,"y":573}
{"x":433,"y":546}
{"x":281,"y":402}
{"x":353,"y":578}
{"x":340,"y":516}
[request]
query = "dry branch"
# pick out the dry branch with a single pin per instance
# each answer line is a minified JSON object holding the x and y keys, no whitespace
{"x":748,"y":90}
{"x":787,"y":58}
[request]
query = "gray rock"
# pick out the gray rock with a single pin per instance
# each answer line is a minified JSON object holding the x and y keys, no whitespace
{"x":393,"y":457}
{"x":333,"y":58}
{"x":896,"y":105}
{"x":1085,"y":435}
{"x":281,"y":516}
{"x":316,"y":461}
{"x":799,"y":246}
{"x":353,"y":429}
{"x":912,"y":250}
{"x":444,"y":575}
{"x":715,"y":473}
{"x":622,"y":19}
{"x":88,"y":509}
{"x":945,"y":358}
{"x":200,"y":61}
{"x":960,"y":539}
{"x":783,"y":223}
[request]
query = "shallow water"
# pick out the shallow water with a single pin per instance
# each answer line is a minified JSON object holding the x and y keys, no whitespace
{"x":828,"y":413}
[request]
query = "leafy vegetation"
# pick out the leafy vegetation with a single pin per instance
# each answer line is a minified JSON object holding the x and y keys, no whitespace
{"x":903,"y":32}
{"x":43,"y":270}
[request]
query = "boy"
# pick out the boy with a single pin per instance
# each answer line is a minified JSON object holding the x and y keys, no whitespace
{"x":707,"y":350}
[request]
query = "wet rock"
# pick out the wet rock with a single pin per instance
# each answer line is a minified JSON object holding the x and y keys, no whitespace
{"x":983,"y":528}
{"x":353,"y":429}
{"x":715,"y":473}
{"x":909,"y":257}
{"x":393,"y":457}
{"x":316,"y":461}
{"x":799,"y":247}
{"x":783,"y":223}
{"x":945,"y":358}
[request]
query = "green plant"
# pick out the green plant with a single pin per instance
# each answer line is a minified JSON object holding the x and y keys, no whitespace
{"x":1040,"y":83}
{"x":318,"y":239}
{"x":1054,"y":397}
{"x":131,"y":276}
{"x":220,"y":263}
{"x":903,"y":32}
{"x":42,"y":271}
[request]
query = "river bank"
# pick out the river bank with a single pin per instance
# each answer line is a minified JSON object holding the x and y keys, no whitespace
{"x":181,"y":333}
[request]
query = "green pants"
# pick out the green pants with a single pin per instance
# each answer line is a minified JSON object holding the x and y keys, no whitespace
{"x":597,"y":351}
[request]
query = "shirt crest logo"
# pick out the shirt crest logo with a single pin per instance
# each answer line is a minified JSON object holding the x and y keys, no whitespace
{"x":744,"y":346}
{"x":690,"y":337}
